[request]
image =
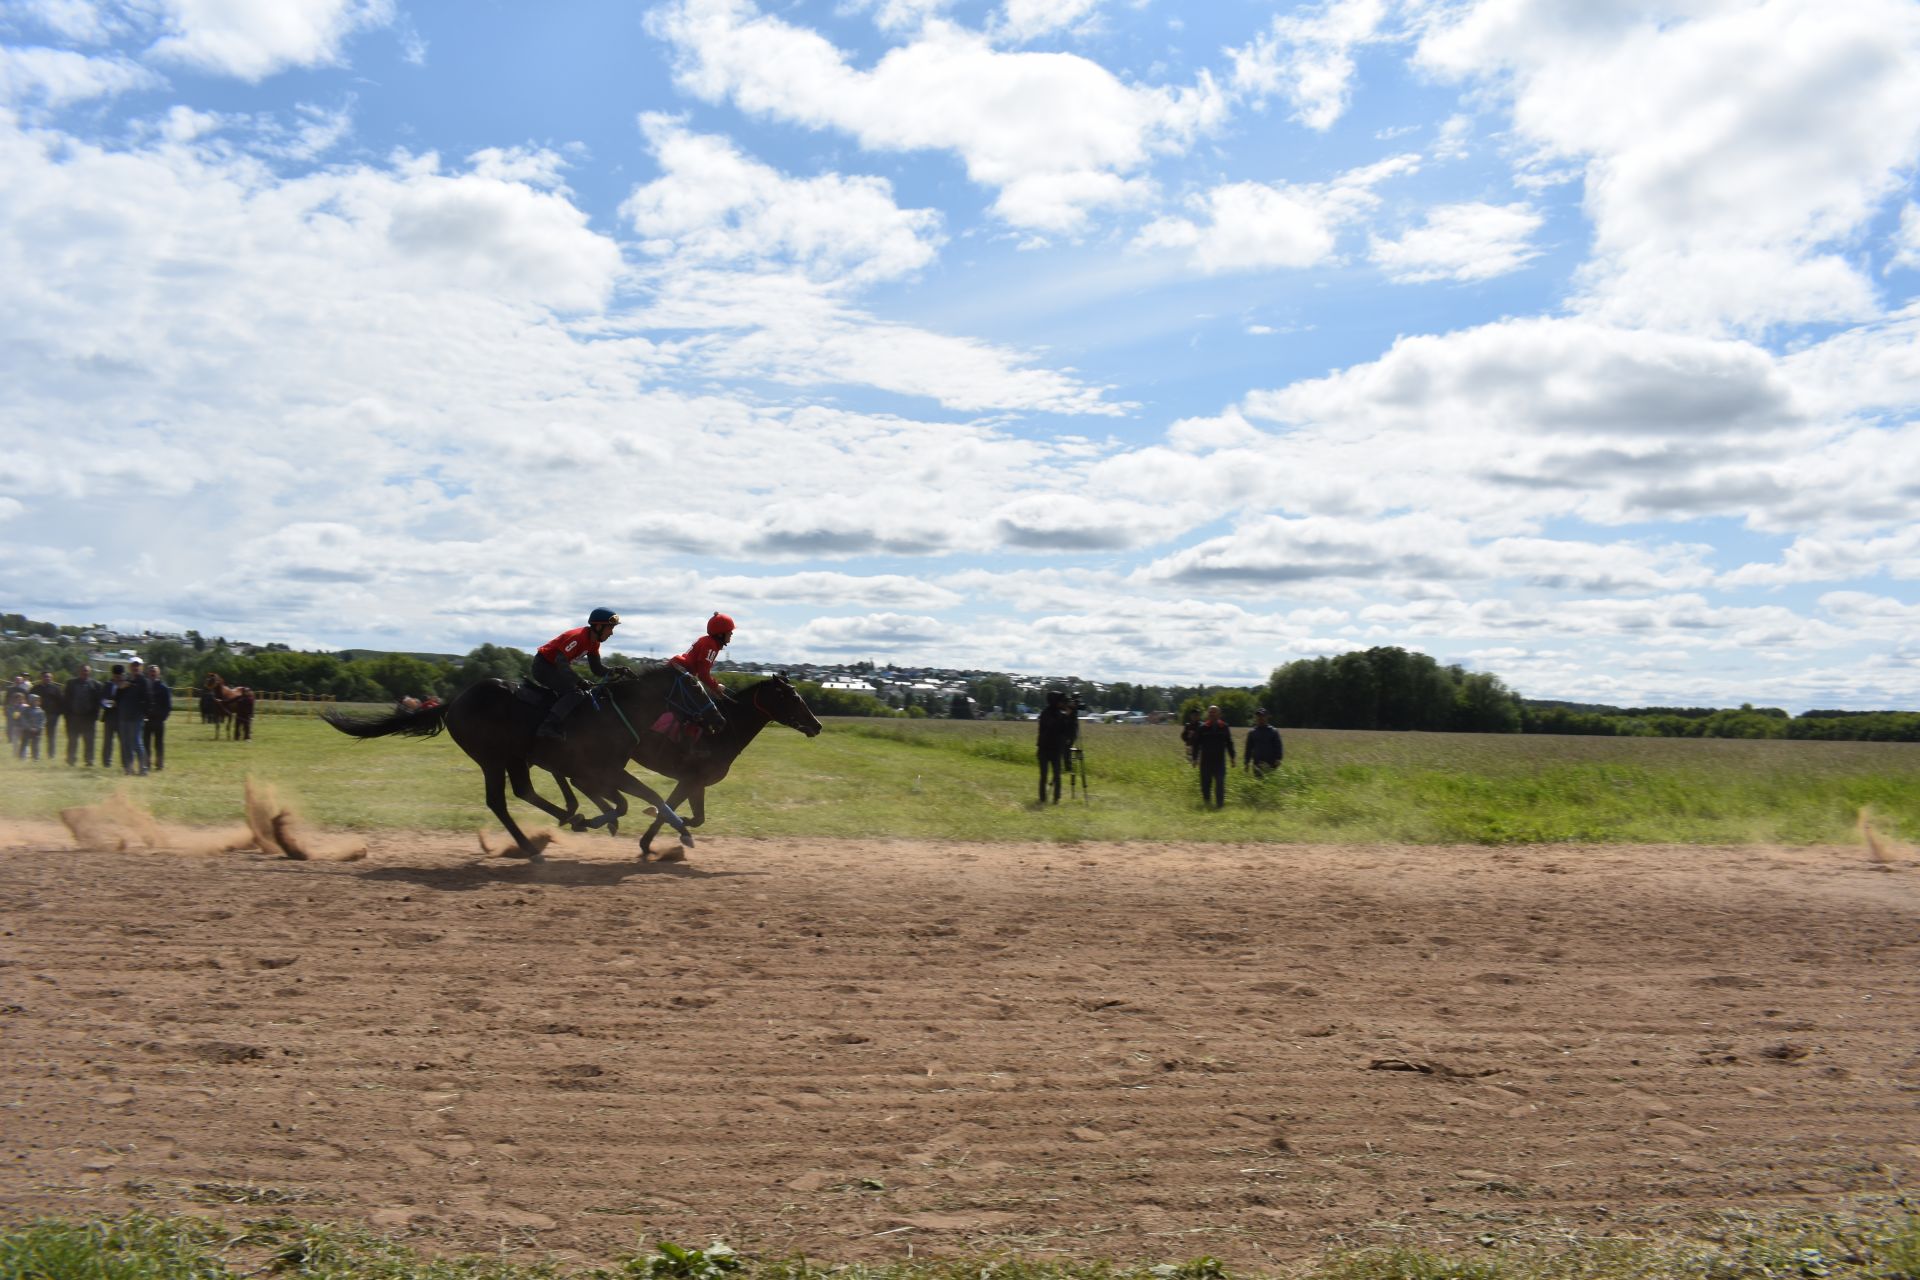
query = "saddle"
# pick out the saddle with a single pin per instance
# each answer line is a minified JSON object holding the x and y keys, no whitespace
{"x":535,"y":695}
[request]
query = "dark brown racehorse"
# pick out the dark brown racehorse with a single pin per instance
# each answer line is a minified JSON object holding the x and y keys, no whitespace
{"x":748,"y":710}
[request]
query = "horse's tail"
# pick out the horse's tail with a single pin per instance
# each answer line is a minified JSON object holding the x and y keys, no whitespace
{"x":423,"y":723}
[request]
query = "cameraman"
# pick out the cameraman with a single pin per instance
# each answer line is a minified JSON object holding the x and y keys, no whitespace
{"x":1059,"y":729}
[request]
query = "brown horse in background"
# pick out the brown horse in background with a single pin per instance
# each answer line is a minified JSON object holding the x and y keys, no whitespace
{"x":232,"y":705}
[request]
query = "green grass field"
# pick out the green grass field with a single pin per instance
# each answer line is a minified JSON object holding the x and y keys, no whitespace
{"x":1735,"y":1247}
{"x":976,"y":781}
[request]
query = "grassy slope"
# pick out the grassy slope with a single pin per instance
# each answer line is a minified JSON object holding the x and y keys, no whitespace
{"x":961,"y":780}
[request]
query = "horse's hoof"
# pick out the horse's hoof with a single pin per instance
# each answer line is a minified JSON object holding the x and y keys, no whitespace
{"x":576,"y":824}
{"x":686,"y":839}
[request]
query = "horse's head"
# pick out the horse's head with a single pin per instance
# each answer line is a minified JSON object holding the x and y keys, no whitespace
{"x":781,"y":702}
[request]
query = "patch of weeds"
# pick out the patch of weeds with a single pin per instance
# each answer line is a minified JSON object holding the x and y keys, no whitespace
{"x":136,"y":1247}
{"x":670,"y":1261}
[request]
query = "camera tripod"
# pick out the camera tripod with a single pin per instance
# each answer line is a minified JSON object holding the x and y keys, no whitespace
{"x":1077,"y":774}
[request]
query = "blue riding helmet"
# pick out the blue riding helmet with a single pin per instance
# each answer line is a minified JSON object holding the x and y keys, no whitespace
{"x":599,"y":616}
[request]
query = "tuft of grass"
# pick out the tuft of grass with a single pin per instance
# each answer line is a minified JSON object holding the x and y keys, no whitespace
{"x":977,"y":780}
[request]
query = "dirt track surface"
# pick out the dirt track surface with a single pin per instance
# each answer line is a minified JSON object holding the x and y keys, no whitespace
{"x":1130,"y":1052}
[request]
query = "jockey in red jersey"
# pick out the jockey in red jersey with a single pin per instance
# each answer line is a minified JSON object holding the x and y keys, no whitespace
{"x":553,"y":666}
{"x":696,"y":664}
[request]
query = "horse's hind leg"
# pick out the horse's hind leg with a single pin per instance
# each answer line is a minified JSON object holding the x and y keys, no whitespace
{"x":522,"y":778}
{"x":497,"y":801}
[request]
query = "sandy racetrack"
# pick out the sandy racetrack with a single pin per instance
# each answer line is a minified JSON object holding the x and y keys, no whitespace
{"x":1134,"y":1052}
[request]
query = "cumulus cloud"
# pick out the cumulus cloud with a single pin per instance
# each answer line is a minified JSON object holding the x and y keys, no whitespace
{"x":1246,"y":226}
{"x":58,"y":77}
{"x":1470,"y":241}
{"x":1057,"y":134}
{"x":1308,"y":58}
{"x":252,"y":41}
{"x":714,"y":205}
{"x":1729,"y":151}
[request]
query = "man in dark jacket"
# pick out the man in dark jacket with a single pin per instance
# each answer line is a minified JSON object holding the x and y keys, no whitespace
{"x":1264,"y":749}
{"x":110,"y":714}
{"x":53,"y":701}
{"x":81,"y":698}
{"x":1059,"y":728}
{"x":1213,"y":745}
{"x":159,"y":707}
{"x":131,"y":703}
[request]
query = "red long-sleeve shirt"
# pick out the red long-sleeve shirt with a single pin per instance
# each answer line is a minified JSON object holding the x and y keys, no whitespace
{"x":697,"y":662}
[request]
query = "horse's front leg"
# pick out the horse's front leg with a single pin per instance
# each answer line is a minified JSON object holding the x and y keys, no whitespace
{"x":659,"y":820}
{"x":662,"y":811}
{"x":613,"y":806}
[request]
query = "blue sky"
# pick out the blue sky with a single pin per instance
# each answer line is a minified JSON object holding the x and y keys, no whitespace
{"x":1139,"y":340}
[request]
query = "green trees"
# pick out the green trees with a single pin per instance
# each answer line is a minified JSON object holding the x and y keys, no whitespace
{"x":1389,"y":688}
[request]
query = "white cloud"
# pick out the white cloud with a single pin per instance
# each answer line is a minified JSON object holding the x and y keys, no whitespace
{"x":1056,"y":133}
{"x":1730,"y":150}
{"x":251,"y":41}
{"x":81,"y":21}
{"x":1906,"y":242}
{"x":1433,"y":552}
{"x":714,"y":205}
{"x":1832,"y":559}
{"x":58,"y":77}
{"x":1248,"y":226}
{"x":1308,"y":58}
{"x":1023,"y":20}
{"x":1461,"y":242}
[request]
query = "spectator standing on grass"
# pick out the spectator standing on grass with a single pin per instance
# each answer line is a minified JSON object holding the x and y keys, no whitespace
{"x":110,"y":714}
{"x":159,"y":707}
{"x":53,"y":701}
{"x":17,"y":691}
{"x":1058,"y":729}
{"x":1264,"y":748}
{"x":132,"y":705}
{"x":32,"y":721}
{"x":1213,"y":744}
{"x":82,"y":698}
{"x":1189,"y":737}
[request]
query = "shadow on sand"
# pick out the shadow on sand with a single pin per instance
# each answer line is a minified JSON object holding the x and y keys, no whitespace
{"x":494,"y":871}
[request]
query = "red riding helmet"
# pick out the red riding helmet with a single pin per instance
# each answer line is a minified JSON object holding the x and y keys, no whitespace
{"x":719,"y":625}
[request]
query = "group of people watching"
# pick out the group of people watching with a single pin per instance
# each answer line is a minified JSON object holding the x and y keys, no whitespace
{"x":1209,"y":744}
{"x":1210,"y":749}
{"x":129,"y":708}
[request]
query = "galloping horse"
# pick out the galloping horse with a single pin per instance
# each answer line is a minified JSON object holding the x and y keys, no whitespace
{"x":496,"y":729}
{"x":230,"y":702}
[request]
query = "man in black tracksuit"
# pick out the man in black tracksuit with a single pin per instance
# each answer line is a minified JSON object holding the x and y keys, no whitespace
{"x":1213,"y":746}
{"x":159,"y":707}
{"x":110,"y":714}
{"x":82,"y":701}
{"x":131,"y":702}
{"x":53,"y":701}
{"x":1059,"y":728}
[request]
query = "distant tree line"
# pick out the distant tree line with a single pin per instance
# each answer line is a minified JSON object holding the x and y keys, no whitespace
{"x":1385,"y":687}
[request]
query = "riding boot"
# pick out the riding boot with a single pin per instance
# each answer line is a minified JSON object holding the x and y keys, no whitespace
{"x":551,"y":727}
